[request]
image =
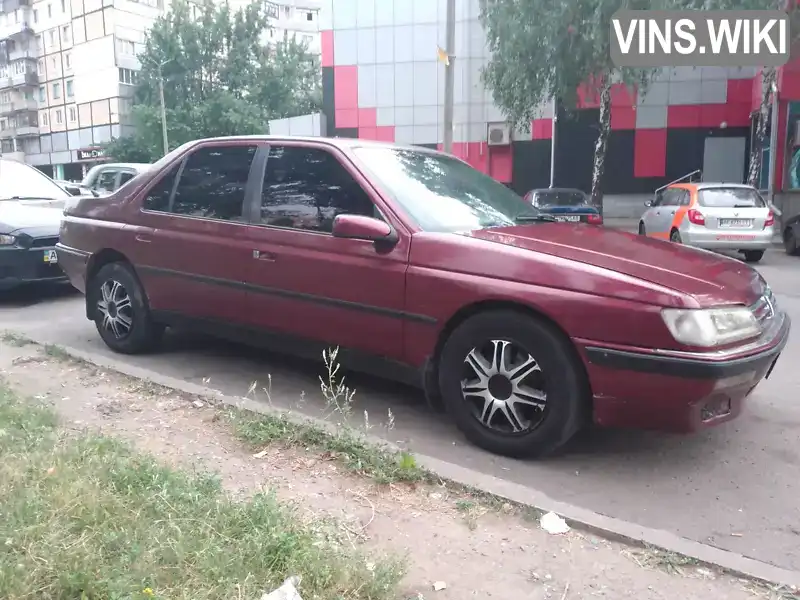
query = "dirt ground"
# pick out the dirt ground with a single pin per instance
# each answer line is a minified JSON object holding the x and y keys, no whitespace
{"x":473,"y":550}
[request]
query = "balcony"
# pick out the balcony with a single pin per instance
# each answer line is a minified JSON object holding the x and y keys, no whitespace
{"x":18,"y":105}
{"x":7,"y":6}
{"x":20,"y":80}
{"x":17,"y":130}
{"x":21,"y":28}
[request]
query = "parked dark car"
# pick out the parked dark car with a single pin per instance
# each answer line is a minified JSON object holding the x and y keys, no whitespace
{"x":421,"y":267}
{"x":31,"y":206}
{"x":565,"y":204}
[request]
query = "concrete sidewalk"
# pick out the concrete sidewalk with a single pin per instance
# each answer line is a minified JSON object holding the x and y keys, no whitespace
{"x":632,"y":225}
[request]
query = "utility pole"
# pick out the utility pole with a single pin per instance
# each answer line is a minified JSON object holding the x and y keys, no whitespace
{"x":554,"y":127}
{"x":163,"y":108}
{"x":449,"y":75}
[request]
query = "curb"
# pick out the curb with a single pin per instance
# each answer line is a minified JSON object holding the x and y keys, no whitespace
{"x":579,"y":518}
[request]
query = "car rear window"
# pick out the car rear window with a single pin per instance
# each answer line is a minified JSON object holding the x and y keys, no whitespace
{"x":730,"y":198}
{"x":560,"y":198}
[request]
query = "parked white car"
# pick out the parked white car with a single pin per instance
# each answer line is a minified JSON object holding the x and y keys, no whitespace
{"x":109,"y":177}
{"x":714,"y":216}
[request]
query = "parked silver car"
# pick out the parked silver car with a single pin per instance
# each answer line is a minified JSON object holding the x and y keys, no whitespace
{"x":107,"y":178}
{"x":714,"y":216}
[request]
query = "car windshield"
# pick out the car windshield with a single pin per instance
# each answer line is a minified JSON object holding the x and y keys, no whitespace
{"x":442,"y":193}
{"x":560,"y":198}
{"x":18,"y":180}
{"x":730,"y":198}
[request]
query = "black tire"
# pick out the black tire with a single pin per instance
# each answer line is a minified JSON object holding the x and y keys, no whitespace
{"x":752,"y":256}
{"x":642,"y":230}
{"x":568,"y":396}
{"x":143,"y":334}
{"x":675,"y":236}
{"x":790,"y":242}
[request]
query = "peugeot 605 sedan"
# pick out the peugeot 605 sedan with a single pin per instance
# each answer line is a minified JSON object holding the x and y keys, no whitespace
{"x":422,"y":268}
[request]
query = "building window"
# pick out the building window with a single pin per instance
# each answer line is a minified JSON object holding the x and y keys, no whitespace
{"x":59,"y":117}
{"x":68,"y":60}
{"x":73,"y":114}
{"x":65,"y":34}
{"x":45,"y":119}
{"x":126,"y":47}
{"x":52,"y":37}
{"x":53,"y":64}
{"x":5,"y":97}
{"x":56,"y":91}
{"x":49,"y":10}
{"x":39,"y":43}
{"x":35,"y":16}
{"x":287,"y":11}
{"x":309,"y":16}
{"x":128,"y":76}
{"x":63,"y":6}
{"x":42,"y":94}
{"x":28,"y":95}
{"x":40,"y":66}
{"x":70,"y":91}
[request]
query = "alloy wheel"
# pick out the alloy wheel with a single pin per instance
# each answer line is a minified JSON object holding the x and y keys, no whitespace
{"x":115,"y":309}
{"x":504,"y":387}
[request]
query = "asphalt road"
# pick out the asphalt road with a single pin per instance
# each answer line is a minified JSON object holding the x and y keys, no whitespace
{"x":735,"y":487}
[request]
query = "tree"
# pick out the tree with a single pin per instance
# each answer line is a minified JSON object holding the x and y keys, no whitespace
{"x":543,"y":49}
{"x":220,"y":78}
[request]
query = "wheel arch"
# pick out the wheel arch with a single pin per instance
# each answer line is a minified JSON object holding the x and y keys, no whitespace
{"x":96,"y":262}
{"x":466,"y":312}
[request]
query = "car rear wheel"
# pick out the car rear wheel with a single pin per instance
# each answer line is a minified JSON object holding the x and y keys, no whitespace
{"x":121,"y":314}
{"x":675,"y":236}
{"x":642,"y":230}
{"x":513,"y":384}
{"x":753,"y":256}
{"x":790,"y":242}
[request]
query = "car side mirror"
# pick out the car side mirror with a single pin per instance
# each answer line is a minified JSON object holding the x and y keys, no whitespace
{"x":359,"y":227}
{"x":648,"y":203}
{"x":94,"y":193}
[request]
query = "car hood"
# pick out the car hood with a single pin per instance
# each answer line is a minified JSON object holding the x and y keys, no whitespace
{"x":17,"y":215}
{"x":711,"y":279}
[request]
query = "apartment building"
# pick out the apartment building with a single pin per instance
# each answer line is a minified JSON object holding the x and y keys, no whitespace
{"x":67,"y":74}
{"x":295,"y":18}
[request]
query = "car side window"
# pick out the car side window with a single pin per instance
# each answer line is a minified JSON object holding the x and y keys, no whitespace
{"x":659,"y":199}
{"x":685,"y":198}
{"x":158,"y":196}
{"x":670,"y":198}
{"x":213,"y":183}
{"x":125,"y":177}
{"x":306,"y":188}
{"x":105,"y":181}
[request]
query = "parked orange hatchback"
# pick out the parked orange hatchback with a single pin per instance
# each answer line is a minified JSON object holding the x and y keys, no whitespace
{"x":424,"y":269}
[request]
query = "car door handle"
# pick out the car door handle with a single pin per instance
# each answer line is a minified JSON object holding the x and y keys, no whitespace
{"x":140,"y":237}
{"x":266,"y":256}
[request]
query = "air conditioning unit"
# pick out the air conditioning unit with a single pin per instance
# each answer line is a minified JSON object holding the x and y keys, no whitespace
{"x":498,"y":134}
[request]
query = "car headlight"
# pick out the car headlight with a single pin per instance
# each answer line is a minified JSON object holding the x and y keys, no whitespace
{"x":7,"y":240}
{"x":711,"y":327}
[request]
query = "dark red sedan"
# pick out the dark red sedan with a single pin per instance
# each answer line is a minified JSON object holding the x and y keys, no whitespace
{"x":421,"y":268}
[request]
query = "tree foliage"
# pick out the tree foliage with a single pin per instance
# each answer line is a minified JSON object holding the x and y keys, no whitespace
{"x":220,"y":78}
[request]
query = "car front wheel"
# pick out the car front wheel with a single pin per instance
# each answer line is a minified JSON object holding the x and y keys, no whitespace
{"x":513,"y":384}
{"x":119,"y":307}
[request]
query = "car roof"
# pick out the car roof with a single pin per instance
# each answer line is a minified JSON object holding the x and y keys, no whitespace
{"x":710,"y":185}
{"x":554,"y":189}
{"x":123,"y":165}
{"x":345,"y":143}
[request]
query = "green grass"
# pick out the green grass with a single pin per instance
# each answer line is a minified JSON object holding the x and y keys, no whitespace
{"x":347,"y":446}
{"x":15,"y":339}
{"x":85,"y":517}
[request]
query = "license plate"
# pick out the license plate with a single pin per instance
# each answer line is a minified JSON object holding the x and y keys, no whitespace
{"x":50,"y":257}
{"x":571,"y":218}
{"x":743,"y":223}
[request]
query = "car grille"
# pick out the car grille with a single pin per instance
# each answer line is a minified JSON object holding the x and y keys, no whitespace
{"x":44,"y":242}
{"x":764,"y":308}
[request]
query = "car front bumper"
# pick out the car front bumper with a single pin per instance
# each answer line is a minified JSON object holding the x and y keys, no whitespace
{"x":20,"y":266}
{"x":720,"y":239}
{"x":679,"y":391}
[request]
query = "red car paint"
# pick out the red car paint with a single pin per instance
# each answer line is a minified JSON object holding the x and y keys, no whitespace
{"x":603,"y":288}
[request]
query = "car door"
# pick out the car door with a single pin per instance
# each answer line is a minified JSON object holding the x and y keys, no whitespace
{"x":304,"y":281}
{"x":190,"y":243}
{"x":661,"y":215}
